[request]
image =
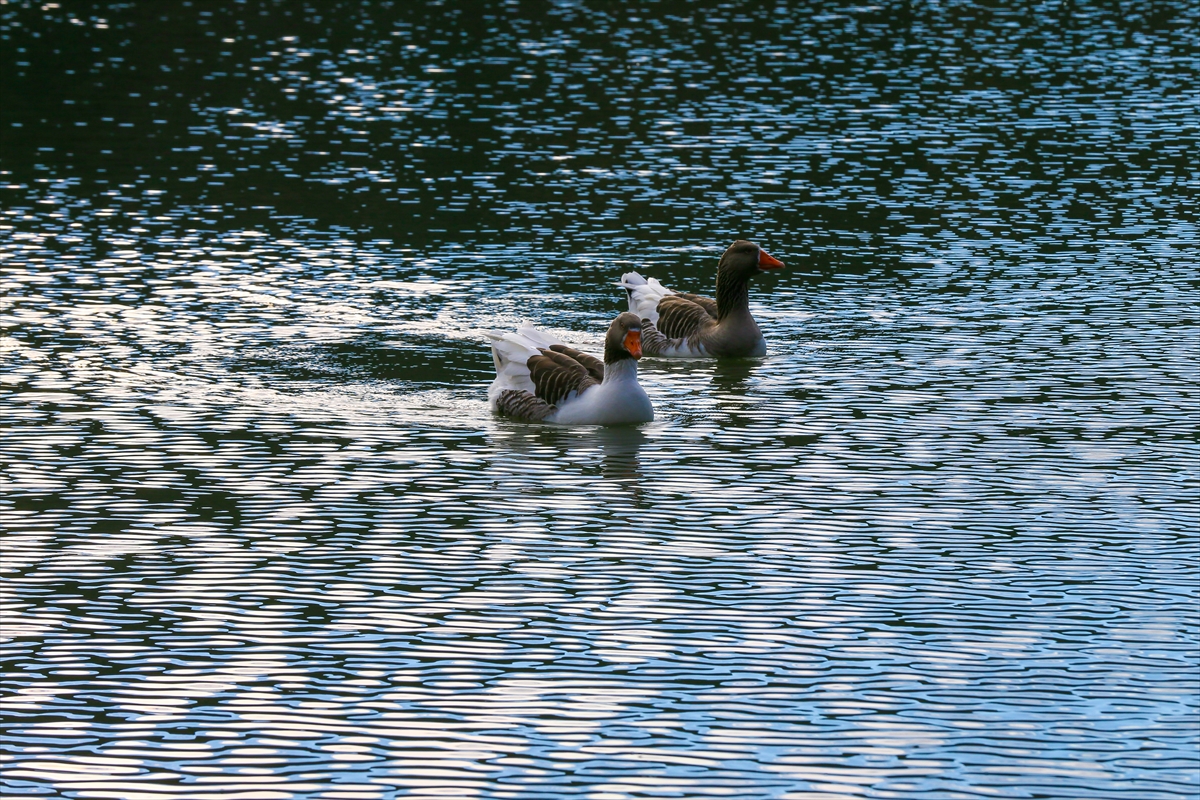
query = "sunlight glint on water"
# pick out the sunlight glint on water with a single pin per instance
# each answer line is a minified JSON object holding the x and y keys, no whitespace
{"x":263,"y":538}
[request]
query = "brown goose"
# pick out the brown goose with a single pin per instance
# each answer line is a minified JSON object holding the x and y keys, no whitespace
{"x":681,"y":325}
{"x":540,"y":379}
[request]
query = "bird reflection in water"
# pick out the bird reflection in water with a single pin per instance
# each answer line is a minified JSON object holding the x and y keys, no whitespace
{"x":613,"y":451}
{"x":731,"y":375}
{"x":619,"y":448}
{"x":731,"y":388}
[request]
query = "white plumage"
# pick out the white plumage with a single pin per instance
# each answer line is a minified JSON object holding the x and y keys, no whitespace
{"x":644,"y":295}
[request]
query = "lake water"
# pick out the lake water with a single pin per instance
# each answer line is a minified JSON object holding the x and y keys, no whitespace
{"x":264,"y":540}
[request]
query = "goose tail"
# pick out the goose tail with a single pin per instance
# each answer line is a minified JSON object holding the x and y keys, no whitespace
{"x":511,"y":351}
{"x":643,"y":295}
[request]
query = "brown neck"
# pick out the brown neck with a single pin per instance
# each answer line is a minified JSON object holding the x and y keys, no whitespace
{"x":733,"y":294}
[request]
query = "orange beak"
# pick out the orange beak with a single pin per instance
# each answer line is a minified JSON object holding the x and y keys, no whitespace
{"x":765,"y":261}
{"x":633,"y":343}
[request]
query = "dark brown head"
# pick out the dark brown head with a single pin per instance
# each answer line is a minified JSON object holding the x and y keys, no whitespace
{"x":743,"y":260}
{"x":624,"y":339}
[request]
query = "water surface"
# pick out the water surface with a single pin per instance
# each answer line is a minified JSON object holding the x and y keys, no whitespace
{"x":263,"y":538}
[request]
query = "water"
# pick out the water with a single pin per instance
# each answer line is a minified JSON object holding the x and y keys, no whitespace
{"x":263,"y":539}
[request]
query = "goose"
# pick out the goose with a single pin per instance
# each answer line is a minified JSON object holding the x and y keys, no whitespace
{"x":682,"y":325}
{"x":540,"y":379}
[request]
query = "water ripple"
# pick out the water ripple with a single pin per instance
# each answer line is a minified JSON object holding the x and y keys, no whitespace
{"x":263,"y":539}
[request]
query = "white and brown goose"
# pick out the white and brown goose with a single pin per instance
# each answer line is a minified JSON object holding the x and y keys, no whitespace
{"x":540,"y":379}
{"x":682,"y":325}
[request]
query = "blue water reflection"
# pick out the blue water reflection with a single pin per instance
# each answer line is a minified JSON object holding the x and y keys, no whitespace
{"x":263,"y":539}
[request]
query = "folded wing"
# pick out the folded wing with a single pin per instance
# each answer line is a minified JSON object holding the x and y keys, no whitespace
{"x":556,"y":376}
{"x":593,"y":365}
{"x":523,"y":405}
{"x":707,"y":303}
{"x":681,"y":318}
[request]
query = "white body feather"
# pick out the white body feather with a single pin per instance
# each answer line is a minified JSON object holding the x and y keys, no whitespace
{"x":511,"y":353}
{"x":683,"y":350}
{"x":644,"y":295}
{"x":618,"y":400}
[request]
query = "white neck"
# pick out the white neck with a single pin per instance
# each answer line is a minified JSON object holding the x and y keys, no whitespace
{"x":621,"y":371}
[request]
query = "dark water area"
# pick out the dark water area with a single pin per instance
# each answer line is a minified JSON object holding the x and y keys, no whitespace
{"x":263,"y":539}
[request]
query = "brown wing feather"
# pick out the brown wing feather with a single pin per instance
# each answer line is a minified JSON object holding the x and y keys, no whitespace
{"x":679,"y":318}
{"x":593,"y":365}
{"x":555,"y":375}
{"x":707,"y":303}
{"x":523,"y":405}
{"x":653,"y":342}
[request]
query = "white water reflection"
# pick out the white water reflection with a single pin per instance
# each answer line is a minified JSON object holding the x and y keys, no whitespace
{"x":263,"y":538}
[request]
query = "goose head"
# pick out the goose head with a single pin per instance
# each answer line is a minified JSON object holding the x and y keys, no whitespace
{"x":624,"y":339}
{"x":743,"y":260}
